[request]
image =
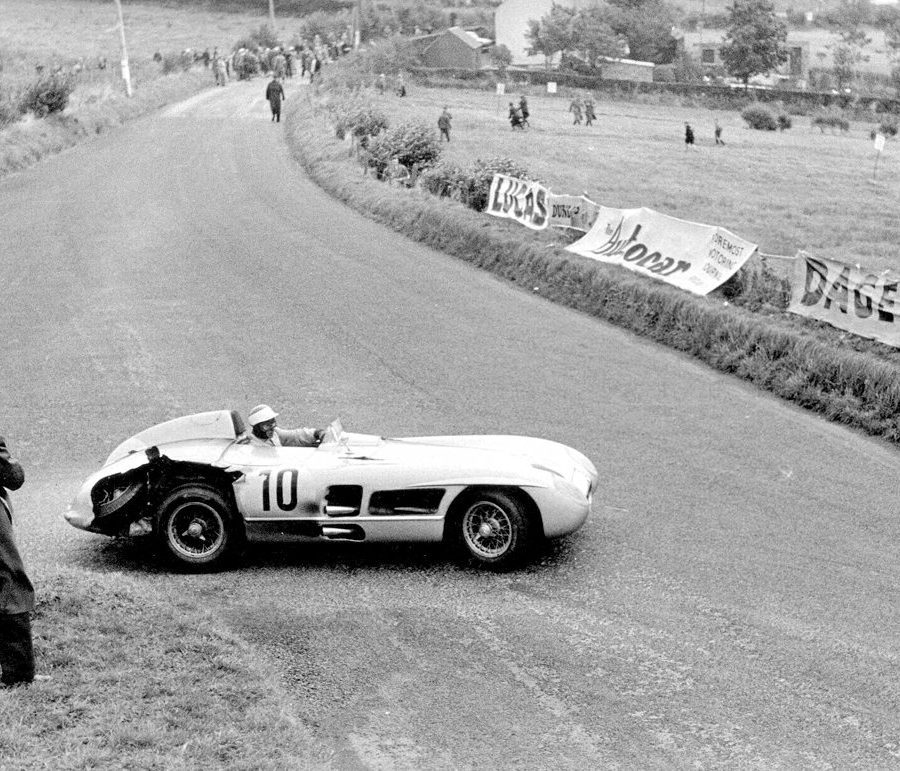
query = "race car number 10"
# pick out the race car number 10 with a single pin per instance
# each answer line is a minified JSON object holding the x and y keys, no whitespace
{"x":285,"y":484}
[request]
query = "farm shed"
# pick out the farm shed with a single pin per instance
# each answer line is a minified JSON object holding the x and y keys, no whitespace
{"x":454,"y":48}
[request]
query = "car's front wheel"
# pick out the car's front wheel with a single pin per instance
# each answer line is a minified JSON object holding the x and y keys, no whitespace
{"x":196,"y":527}
{"x":494,"y":529}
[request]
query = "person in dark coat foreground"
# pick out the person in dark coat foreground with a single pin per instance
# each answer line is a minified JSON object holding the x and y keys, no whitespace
{"x":16,"y":591}
{"x":275,"y":93}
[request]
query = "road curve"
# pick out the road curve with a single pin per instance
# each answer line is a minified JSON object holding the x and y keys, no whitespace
{"x":732,"y":601}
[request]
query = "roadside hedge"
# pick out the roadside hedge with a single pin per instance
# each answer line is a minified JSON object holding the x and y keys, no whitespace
{"x":790,"y":360}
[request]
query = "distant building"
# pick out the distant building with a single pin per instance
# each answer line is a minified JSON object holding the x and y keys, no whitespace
{"x":454,"y":47}
{"x":797,"y":66}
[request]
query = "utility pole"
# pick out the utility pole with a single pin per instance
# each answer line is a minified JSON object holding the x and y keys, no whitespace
{"x":357,"y":23}
{"x":272,"y":14}
{"x":126,"y":71}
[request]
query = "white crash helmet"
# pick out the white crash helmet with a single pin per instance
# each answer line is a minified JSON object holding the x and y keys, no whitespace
{"x":260,"y":414}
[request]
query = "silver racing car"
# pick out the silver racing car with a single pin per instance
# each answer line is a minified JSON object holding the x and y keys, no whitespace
{"x":202,"y":489}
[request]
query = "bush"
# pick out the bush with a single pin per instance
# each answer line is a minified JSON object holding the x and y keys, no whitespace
{"x":833,"y":119}
{"x":784,"y":121}
{"x":482,"y":175}
{"x":412,"y":144}
{"x":48,"y":95}
{"x":470,"y":185}
{"x":889,"y":126}
{"x":760,"y":117}
{"x":360,"y":119}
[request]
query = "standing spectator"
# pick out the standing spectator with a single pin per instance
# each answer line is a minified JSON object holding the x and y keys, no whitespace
{"x":206,"y":58}
{"x":275,"y":93}
{"x":523,"y":110}
{"x":589,"y":114}
{"x":279,"y":64}
{"x":16,"y":591}
{"x":575,"y":109}
{"x":221,"y":71}
{"x":718,"y":133}
{"x":381,"y":83}
{"x":401,"y":85}
{"x":688,"y":136}
{"x":515,"y":117}
{"x":304,"y":62}
{"x":444,"y":123}
{"x":289,"y":61}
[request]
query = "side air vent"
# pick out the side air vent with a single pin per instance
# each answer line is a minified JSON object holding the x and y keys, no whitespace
{"x":343,"y":500}
{"x":423,"y":502}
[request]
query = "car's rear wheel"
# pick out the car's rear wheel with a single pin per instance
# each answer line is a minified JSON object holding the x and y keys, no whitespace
{"x":197,"y":527}
{"x":494,"y":529}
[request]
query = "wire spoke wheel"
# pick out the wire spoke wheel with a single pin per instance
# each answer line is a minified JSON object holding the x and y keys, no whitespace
{"x":198,"y":528}
{"x":488,"y":530}
{"x":195,"y":529}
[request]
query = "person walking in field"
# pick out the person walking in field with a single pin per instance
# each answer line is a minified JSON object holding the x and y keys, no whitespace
{"x":589,"y":114}
{"x":688,"y":137}
{"x":515,"y":117}
{"x":523,"y":110}
{"x":16,"y":591}
{"x":718,"y":134}
{"x":275,"y":94}
{"x":444,"y":123}
{"x":575,"y":109}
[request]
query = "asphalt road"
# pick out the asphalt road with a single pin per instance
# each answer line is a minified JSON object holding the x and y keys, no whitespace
{"x":732,"y":600}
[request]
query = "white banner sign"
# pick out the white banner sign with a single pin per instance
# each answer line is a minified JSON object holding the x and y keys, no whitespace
{"x":848,"y":297}
{"x":572,"y":211}
{"x":691,"y":256}
{"x":524,"y":201}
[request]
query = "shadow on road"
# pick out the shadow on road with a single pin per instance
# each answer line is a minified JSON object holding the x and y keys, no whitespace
{"x":139,"y":555}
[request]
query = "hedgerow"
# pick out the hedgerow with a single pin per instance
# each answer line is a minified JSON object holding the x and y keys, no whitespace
{"x":471,"y":184}
{"x":830,"y":118}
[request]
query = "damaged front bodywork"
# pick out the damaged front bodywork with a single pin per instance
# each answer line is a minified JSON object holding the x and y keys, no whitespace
{"x":125,"y":501}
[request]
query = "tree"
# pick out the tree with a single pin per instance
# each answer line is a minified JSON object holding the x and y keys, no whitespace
{"x":593,"y":35}
{"x":847,"y":22}
{"x":588,"y":34}
{"x":501,"y":56}
{"x":647,"y":27}
{"x":754,"y":40}
{"x":552,"y":33}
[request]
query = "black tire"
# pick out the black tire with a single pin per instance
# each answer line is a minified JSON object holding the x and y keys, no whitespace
{"x":493,"y":529}
{"x":117,"y":498}
{"x":197,"y":528}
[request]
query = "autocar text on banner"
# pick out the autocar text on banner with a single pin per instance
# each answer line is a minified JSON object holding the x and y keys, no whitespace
{"x":572,"y":211}
{"x":524,"y":201}
{"x":848,"y":297}
{"x":689,"y":255}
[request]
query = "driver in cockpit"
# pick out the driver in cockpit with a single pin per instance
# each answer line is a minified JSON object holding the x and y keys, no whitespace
{"x":264,"y":430}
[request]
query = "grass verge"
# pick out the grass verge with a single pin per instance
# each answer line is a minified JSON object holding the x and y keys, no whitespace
{"x":144,"y":681}
{"x":92,"y":110}
{"x":798,"y":364}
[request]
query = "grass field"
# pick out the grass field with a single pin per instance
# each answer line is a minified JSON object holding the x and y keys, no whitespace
{"x":800,"y":189}
{"x":33,"y":31}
